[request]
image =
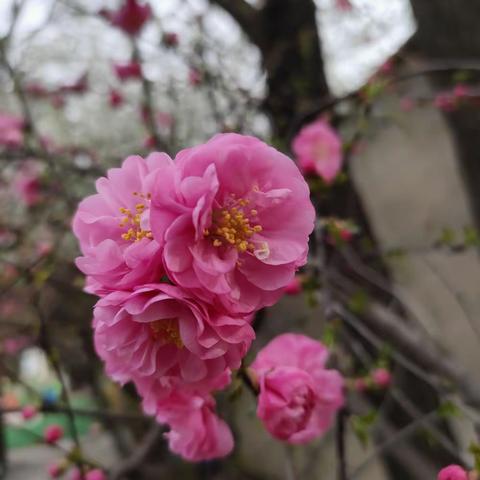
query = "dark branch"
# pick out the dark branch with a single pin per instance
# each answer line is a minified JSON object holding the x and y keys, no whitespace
{"x":246,"y":16}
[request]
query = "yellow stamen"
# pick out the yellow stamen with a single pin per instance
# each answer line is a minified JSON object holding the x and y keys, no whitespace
{"x":167,"y":330}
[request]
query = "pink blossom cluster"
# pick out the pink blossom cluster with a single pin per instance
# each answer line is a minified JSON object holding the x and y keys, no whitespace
{"x":182,"y":253}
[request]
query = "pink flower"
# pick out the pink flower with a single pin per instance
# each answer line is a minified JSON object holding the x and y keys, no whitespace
{"x":14,"y":345}
{"x":461,"y":90}
{"x":95,"y":474}
{"x":26,"y":185}
{"x":294,"y":287}
{"x":160,"y":334}
{"x":445,"y":101}
{"x":344,"y":5}
{"x":115,"y":98}
{"x":298,"y":396}
{"x":54,"y":470}
{"x":28,"y":412}
{"x":381,"y":377}
{"x":113,"y":228}
{"x":194,"y":77}
{"x":170,"y":39}
{"x":131,"y":17}
{"x":127,"y":71}
{"x":319,"y":150}
{"x":234,"y":217}
{"x":452,"y":472}
{"x":11,"y":130}
{"x":196,"y":433}
{"x":53,"y":433}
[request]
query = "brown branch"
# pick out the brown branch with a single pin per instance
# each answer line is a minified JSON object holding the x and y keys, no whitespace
{"x":414,"y":346}
{"x":140,"y":453}
{"x":246,"y":16}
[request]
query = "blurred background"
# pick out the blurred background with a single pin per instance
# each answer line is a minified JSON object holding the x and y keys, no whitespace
{"x":398,"y":79}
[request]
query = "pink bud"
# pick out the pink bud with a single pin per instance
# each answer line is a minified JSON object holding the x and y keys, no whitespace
{"x":194,"y":77}
{"x":96,"y":474}
{"x":115,"y":98}
{"x":54,"y":470}
{"x":170,"y":39}
{"x":452,"y":472}
{"x":360,"y":385}
{"x":28,"y":412}
{"x":445,"y":101}
{"x":53,"y":433}
{"x":294,"y":287}
{"x":460,"y":90}
{"x":381,"y":377}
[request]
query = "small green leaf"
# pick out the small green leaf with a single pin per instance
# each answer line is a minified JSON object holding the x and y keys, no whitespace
{"x":448,"y":409}
{"x":447,"y":237}
{"x":358,"y":302}
{"x":471,"y":237}
{"x":361,"y":425}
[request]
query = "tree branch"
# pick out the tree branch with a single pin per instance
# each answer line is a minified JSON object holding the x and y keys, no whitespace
{"x":246,"y":16}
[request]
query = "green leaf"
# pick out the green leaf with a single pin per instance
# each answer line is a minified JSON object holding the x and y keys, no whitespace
{"x":447,"y":237}
{"x":361,"y":425}
{"x":448,"y":409}
{"x":358,"y":302}
{"x":471,"y":238}
{"x":475,"y":451}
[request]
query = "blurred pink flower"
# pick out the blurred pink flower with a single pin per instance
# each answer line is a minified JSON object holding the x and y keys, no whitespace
{"x":53,"y":433}
{"x":461,"y":90}
{"x":26,"y":184}
{"x":14,"y":345}
{"x":113,"y":227}
{"x":176,"y":338}
{"x":54,"y":470}
{"x":233,"y":216}
{"x":130,"y":17}
{"x":452,"y":472}
{"x":170,"y":39}
{"x":95,"y":474}
{"x":29,"y":411}
{"x":115,"y":98}
{"x":127,"y":71}
{"x":344,"y":5}
{"x":11,"y":130}
{"x":445,"y":101}
{"x":196,"y":433}
{"x":194,"y":77}
{"x":294,"y":287}
{"x":381,"y":377}
{"x":298,"y":396}
{"x":318,"y":149}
